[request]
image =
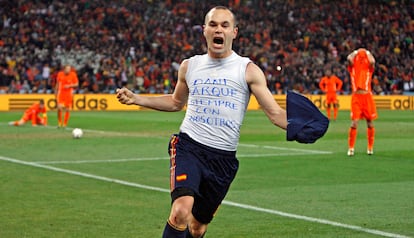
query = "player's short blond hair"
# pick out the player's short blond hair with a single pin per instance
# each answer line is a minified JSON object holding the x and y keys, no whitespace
{"x":221,"y":8}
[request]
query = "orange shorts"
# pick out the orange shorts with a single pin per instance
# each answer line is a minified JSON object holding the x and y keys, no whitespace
{"x":65,"y":100}
{"x":331,"y":98}
{"x":363,"y":107}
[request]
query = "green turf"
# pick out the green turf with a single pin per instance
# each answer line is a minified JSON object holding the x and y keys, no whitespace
{"x":316,"y":180}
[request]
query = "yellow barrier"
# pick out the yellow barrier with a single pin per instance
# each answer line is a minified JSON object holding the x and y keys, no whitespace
{"x":108,"y":102}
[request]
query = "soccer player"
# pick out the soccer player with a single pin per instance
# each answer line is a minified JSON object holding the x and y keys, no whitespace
{"x":361,"y":67}
{"x":330,"y":84}
{"x":216,"y":88}
{"x":66,"y":81}
{"x":32,"y":114}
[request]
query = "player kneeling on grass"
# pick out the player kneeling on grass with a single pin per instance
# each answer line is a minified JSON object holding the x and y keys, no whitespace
{"x":32,"y":114}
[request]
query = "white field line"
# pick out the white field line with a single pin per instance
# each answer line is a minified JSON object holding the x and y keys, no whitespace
{"x":159,"y":158}
{"x":151,"y":159}
{"x":285,"y":148}
{"x":115,"y":133}
{"x":229,"y":203}
{"x":99,"y":161}
{"x":111,"y":133}
{"x":296,"y":151}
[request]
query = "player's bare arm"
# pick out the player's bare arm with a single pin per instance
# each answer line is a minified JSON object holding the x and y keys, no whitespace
{"x":257,"y":83}
{"x":171,"y":102}
{"x":351,"y":57}
{"x":371,"y":58}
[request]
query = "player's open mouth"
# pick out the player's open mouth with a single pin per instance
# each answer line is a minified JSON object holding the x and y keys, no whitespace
{"x":218,"y":40}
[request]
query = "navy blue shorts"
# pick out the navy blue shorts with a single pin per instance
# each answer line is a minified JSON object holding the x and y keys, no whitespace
{"x":202,"y":172}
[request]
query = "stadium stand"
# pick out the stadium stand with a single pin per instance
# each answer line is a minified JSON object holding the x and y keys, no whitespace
{"x":140,"y":44}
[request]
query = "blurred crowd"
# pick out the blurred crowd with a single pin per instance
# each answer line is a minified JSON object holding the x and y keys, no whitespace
{"x":140,"y":44}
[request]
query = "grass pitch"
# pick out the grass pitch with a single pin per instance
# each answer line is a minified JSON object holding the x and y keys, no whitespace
{"x":114,"y":181}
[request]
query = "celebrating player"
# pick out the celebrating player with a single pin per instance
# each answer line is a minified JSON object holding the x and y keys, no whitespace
{"x":67,"y":80}
{"x":32,"y":114}
{"x":216,"y":88}
{"x":330,"y":84}
{"x":361,"y":68}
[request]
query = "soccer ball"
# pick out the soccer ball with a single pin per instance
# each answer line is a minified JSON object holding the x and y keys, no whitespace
{"x":77,"y":133}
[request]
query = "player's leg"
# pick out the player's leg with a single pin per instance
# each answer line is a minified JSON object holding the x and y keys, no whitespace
{"x":33,"y":118}
{"x":370,"y":115}
{"x":220,"y":170}
{"x":335,"y":108}
{"x":196,"y":229}
{"x":352,"y":134}
{"x":328,"y":111}
{"x":17,"y":123}
{"x":183,"y":166}
{"x":180,"y":217}
{"x":370,"y":137}
{"x":59,"y":114}
{"x":20,"y":122}
{"x":67,"y":115}
{"x":328,"y":106}
{"x":68,"y":106}
{"x":330,"y":102}
{"x":40,"y":121}
{"x":355,"y":115}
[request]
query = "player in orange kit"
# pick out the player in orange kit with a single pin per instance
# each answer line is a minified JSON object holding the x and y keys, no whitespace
{"x":330,"y":84}
{"x":66,"y":81}
{"x":32,"y":114}
{"x":361,"y":67}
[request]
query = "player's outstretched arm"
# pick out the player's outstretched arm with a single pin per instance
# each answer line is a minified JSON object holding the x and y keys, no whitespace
{"x":170,"y":102}
{"x":257,"y":83}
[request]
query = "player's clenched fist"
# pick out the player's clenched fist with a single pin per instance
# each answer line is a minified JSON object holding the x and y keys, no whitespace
{"x":125,"y":96}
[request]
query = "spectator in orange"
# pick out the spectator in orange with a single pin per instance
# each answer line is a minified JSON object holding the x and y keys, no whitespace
{"x":361,"y":68}
{"x":330,"y":84}
{"x":67,"y":80}
{"x":32,"y":114}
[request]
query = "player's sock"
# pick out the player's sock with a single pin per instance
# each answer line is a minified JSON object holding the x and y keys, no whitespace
{"x":328,"y":113}
{"x":59,"y":118}
{"x":67,"y":115}
{"x":370,"y":137}
{"x":188,"y":234}
{"x":352,"y":137}
{"x":171,"y":231}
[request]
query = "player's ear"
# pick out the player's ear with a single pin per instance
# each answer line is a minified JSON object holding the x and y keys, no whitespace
{"x":235,"y":32}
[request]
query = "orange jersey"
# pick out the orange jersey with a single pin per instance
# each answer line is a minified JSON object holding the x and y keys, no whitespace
{"x":361,"y":72}
{"x":64,"y":80}
{"x":35,"y":110}
{"x":330,"y":84}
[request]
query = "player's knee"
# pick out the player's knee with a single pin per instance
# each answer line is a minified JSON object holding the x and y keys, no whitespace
{"x":181,"y":212}
{"x":354,"y":124}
